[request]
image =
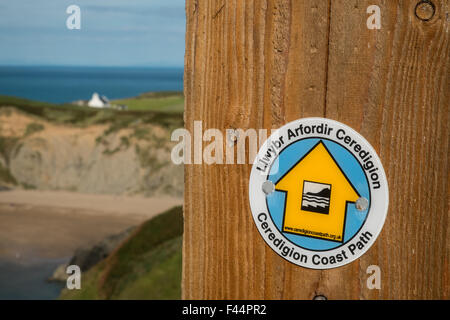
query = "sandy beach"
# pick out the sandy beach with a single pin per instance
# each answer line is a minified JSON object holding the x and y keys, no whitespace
{"x":52,"y":224}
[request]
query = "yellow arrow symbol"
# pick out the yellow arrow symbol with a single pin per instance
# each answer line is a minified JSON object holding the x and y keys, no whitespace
{"x":318,"y":192}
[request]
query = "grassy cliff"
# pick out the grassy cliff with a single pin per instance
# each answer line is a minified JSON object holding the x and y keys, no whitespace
{"x":146,"y":266}
{"x":67,"y":147}
{"x":167,"y":102}
{"x":165,"y":108}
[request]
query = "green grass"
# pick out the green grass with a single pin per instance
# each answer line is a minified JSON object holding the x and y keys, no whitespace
{"x":146,"y":266}
{"x":169,"y":103}
{"x":85,"y":116}
{"x":157,"y":275}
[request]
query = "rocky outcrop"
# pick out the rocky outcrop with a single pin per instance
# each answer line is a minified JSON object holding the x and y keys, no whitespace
{"x":87,"y":257}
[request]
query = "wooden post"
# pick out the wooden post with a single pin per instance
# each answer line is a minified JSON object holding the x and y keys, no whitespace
{"x":262,"y":63}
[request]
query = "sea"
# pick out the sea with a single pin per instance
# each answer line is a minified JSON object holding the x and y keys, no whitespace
{"x":62,"y":84}
{"x":28,"y":281}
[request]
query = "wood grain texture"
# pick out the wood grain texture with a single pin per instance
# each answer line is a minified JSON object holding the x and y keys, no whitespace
{"x":263,"y":63}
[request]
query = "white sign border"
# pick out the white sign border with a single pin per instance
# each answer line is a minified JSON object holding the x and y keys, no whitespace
{"x":375,"y":217}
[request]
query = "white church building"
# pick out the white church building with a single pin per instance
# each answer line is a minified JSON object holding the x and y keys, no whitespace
{"x":98,"y":101}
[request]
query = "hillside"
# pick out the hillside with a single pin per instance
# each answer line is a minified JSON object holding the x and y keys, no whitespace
{"x":168,"y":102}
{"x":67,"y":147}
{"x":147,"y":265}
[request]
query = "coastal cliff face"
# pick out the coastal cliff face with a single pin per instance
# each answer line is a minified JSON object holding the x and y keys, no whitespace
{"x":129,"y":157}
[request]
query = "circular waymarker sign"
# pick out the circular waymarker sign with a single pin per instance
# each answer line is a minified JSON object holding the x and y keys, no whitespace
{"x":318,"y":193}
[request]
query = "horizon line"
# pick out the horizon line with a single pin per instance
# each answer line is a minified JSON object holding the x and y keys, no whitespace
{"x":92,"y":66}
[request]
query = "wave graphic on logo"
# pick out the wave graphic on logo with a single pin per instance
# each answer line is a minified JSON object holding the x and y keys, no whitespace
{"x":317,"y":201}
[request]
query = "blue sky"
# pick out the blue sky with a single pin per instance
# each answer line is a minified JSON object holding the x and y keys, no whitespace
{"x":113,"y":33}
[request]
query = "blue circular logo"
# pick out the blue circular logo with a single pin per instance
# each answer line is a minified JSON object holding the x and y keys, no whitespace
{"x":316,"y":196}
